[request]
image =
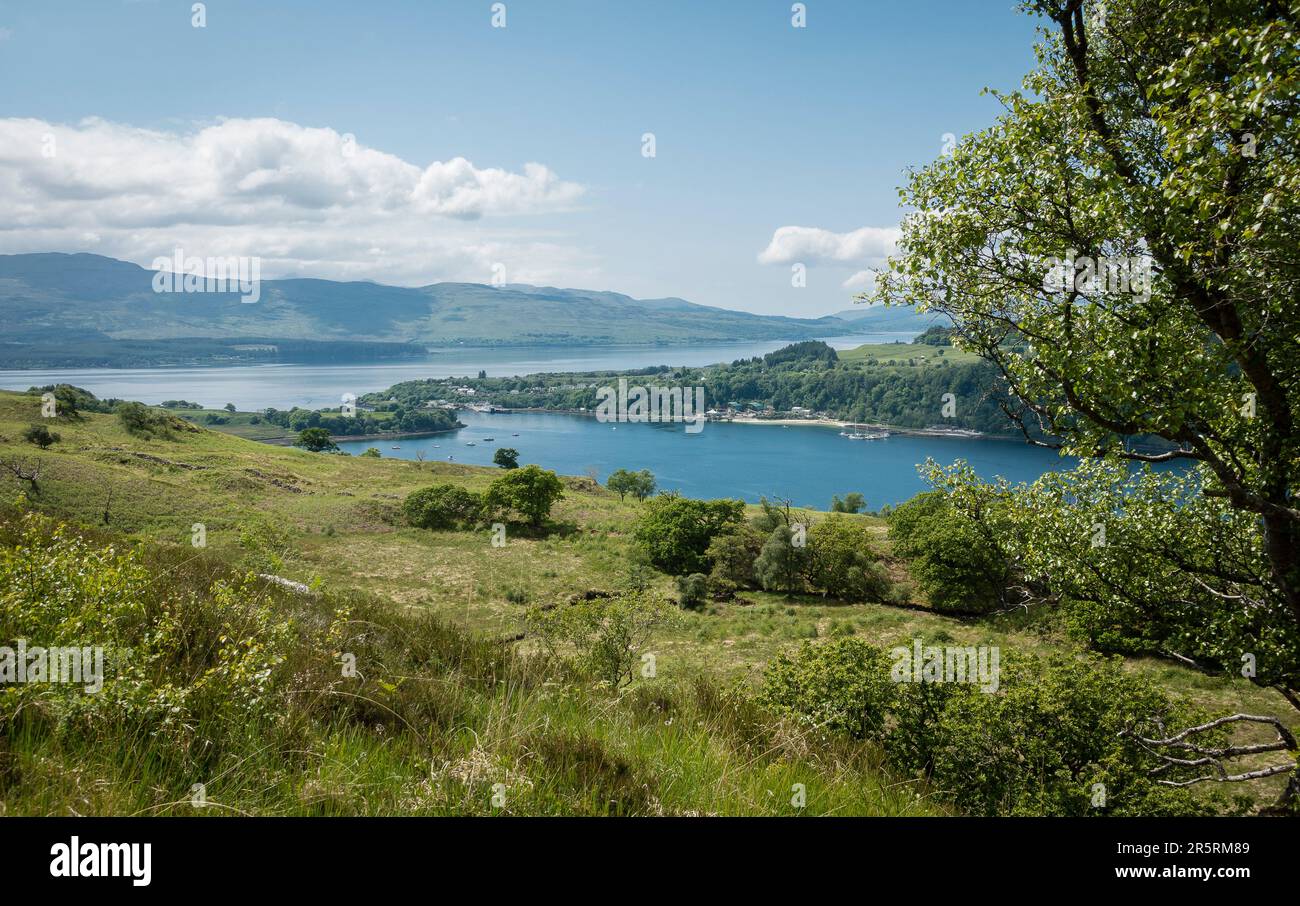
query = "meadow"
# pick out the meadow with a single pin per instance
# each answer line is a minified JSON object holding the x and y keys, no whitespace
{"x":455,"y":713}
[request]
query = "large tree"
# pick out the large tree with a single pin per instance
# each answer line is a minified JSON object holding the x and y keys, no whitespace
{"x":1121,"y":244}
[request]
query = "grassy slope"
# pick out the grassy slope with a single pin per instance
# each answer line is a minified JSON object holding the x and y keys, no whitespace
{"x":339,"y":517}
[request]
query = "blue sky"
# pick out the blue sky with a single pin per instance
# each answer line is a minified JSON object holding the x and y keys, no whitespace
{"x":758,"y":126}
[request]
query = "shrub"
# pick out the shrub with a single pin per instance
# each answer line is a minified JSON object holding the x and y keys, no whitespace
{"x":1041,"y":745}
{"x":675,"y":531}
{"x":506,"y":458}
{"x":693,"y":590}
{"x":840,"y":686}
{"x":141,"y":421}
{"x":441,"y":506}
{"x":953,"y":558}
{"x":372,"y":453}
{"x":605,"y":634}
{"x":42,"y":436}
{"x":530,"y":491}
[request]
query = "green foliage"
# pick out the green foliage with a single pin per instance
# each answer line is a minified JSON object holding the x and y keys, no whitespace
{"x":316,"y":440}
{"x":506,"y":458}
{"x":675,"y":532}
{"x":954,"y":558}
{"x":840,"y":686}
{"x":1056,"y":730}
{"x":530,"y":491}
{"x":852,"y":502}
{"x":843,"y":561}
{"x":692,"y":590}
{"x":41,"y":436}
{"x":372,"y":452}
{"x":639,"y":484}
{"x":144,"y":422}
{"x":1040,"y":745}
{"x":441,"y":506}
{"x":606,"y":635}
{"x":782,"y":562}
{"x":732,"y":554}
{"x":1163,"y":142}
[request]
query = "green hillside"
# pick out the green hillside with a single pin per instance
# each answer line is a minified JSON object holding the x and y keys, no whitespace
{"x":86,"y":310}
{"x":453,"y":697}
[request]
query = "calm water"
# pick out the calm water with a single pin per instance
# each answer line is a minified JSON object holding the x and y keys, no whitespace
{"x":317,"y":386}
{"x":808,"y":464}
{"x":805,"y":463}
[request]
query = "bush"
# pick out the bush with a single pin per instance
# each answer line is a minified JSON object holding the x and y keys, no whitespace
{"x":1053,"y":733}
{"x":693,"y":590}
{"x":675,"y":532}
{"x":530,"y":491}
{"x":441,"y":506}
{"x":953,"y":558}
{"x":841,"y":686}
{"x":42,"y":436}
{"x":506,"y":458}
{"x":141,"y":421}
{"x":605,"y":634}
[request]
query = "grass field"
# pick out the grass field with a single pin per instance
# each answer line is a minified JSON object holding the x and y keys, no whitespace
{"x":334,"y":524}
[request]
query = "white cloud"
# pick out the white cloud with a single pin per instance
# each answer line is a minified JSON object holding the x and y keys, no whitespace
{"x":860,"y":280}
{"x":811,"y":245}
{"x":308,"y":201}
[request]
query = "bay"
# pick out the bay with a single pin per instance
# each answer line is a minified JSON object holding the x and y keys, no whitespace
{"x":806,"y":463}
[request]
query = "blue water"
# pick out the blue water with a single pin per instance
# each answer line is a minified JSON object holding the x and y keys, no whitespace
{"x":252,"y":387}
{"x":808,"y":464}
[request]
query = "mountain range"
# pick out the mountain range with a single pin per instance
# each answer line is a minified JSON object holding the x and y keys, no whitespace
{"x":65,"y":310}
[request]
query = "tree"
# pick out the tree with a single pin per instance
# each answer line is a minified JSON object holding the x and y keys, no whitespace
{"x":317,"y":440}
{"x":639,"y":484}
{"x":42,"y":436}
{"x":852,"y":503}
{"x":732,"y":554}
{"x":843,"y":561}
{"x":780,"y":565}
{"x":675,"y":531}
{"x":506,"y":458}
{"x":530,"y":491}
{"x":441,"y":506}
{"x":1120,"y":245}
{"x":229,"y":407}
{"x":953,"y":554}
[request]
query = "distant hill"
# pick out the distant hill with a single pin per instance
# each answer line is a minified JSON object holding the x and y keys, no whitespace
{"x":889,"y":319}
{"x":58,"y":305}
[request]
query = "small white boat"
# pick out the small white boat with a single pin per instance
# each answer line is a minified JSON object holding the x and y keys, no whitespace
{"x":471,"y":444}
{"x":486,"y":439}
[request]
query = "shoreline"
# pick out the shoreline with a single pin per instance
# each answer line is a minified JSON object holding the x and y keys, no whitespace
{"x":959,"y":433}
{"x":336,"y":438}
